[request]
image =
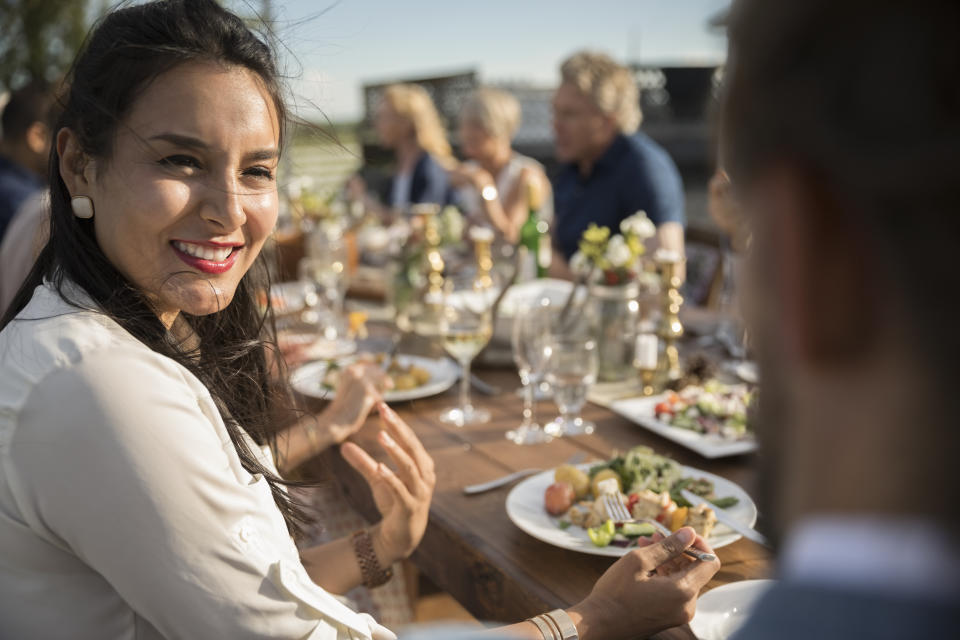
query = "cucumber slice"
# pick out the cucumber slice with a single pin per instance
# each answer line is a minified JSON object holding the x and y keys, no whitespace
{"x":636,"y":529}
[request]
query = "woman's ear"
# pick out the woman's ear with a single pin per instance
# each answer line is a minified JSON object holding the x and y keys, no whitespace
{"x":76,"y":167}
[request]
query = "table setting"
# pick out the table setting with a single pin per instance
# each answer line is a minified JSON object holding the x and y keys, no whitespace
{"x":505,"y":382}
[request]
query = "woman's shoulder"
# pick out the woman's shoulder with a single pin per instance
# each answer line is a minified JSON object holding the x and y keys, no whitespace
{"x":526,"y":162}
{"x":56,"y":335}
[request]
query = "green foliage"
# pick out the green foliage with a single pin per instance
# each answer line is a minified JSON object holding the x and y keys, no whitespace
{"x":40,"y":38}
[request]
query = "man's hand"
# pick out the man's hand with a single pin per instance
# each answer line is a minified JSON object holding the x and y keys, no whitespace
{"x":648,"y":590}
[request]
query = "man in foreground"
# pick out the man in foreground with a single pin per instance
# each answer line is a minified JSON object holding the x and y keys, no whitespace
{"x":850,"y":185}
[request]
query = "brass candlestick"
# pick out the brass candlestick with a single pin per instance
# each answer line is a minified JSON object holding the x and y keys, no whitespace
{"x":482,"y":241}
{"x":671,"y":329}
{"x":424,"y":216}
{"x":425,"y":314}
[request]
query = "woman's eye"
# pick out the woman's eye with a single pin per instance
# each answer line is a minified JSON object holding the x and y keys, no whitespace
{"x":259,"y":172}
{"x":180,"y":161}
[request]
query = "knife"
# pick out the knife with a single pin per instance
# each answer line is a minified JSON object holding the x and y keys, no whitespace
{"x":727,"y":519}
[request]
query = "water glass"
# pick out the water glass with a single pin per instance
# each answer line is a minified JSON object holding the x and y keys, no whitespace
{"x":571,"y":369}
{"x":529,"y":339}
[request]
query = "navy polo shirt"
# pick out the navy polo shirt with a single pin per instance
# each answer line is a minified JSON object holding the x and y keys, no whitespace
{"x":16,"y":185}
{"x":634,"y":173}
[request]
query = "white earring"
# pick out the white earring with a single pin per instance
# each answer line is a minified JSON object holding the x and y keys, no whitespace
{"x":82,"y":207}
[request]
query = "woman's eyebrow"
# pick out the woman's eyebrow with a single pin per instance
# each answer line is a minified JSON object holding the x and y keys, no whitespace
{"x":195,"y":143}
{"x":182,"y":140}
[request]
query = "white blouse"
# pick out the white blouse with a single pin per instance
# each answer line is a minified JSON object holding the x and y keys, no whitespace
{"x":124,"y":509}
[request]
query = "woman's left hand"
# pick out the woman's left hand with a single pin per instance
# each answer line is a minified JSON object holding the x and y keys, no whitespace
{"x":358,"y":391}
{"x":402,"y":496}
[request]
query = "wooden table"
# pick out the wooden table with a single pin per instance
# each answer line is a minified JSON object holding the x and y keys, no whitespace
{"x":472,"y":550}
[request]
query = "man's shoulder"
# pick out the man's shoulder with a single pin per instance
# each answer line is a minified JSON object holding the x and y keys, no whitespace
{"x":644,"y":150}
{"x":784,"y":612}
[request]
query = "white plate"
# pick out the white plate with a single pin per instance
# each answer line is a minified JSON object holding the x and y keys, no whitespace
{"x":288,"y":297}
{"x":640,"y":410}
{"x":526,"y":509}
{"x":722,"y":611}
{"x":556,"y":290}
{"x":308,"y":379}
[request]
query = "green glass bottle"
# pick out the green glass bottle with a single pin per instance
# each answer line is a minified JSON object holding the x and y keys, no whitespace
{"x":535,"y":245}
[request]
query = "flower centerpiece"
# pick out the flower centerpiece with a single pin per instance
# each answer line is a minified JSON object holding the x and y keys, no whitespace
{"x":610,"y":265}
{"x":613,"y":259}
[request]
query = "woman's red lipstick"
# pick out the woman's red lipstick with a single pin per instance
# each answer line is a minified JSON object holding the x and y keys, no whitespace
{"x":208,"y":266}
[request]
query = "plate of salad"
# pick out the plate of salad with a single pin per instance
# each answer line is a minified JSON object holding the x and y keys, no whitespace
{"x":710,"y":418}
{"x":560,"y":506}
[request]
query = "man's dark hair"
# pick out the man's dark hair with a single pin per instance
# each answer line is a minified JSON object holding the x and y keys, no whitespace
{"x":31,"y":103}
{"x":864,"y":95}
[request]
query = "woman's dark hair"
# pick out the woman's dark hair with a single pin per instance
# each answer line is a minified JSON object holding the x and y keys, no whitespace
{"x":129,"y":49}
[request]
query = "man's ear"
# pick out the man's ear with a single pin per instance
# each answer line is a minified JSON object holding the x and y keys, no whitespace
{"x":76,"y":167}
{"x":831,"y":307}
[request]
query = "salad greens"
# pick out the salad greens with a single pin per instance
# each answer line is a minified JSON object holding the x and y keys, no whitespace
{"x":640,"y":468}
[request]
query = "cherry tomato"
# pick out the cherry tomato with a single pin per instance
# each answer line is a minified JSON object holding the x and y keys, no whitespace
{"x":558,"y":497}
{"x":663,"y":407}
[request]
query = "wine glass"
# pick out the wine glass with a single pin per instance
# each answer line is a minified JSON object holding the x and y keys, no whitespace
{"x":531,"y":326}
{"x":571,"y":368}
{"x":466,"y":325}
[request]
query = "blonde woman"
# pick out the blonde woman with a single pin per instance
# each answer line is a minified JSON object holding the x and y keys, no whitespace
{"x":407,"y":122}
{"x":495,"y":180}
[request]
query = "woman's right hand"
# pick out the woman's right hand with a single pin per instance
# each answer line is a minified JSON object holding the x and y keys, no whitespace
{"x":648,"y":590}
{"x":402,"y":496}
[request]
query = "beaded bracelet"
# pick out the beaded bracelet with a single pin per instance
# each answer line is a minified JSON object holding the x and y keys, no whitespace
{"x":373,"y":574}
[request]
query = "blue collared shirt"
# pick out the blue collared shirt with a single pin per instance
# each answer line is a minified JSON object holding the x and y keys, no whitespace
{"x":634,"y":173}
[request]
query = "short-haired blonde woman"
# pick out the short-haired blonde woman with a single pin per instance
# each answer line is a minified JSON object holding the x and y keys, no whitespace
{"x":612,"y":169}
{"x":407,"y":122}
{"x":495,"y":180}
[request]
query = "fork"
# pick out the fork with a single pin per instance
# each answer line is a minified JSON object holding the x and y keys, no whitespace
{"x":516,"y":475}
{"x":618,"y":513}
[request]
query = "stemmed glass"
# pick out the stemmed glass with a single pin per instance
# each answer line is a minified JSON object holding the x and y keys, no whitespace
{"x":571,"y":368}
{"x":466,"y":325}
{"x":531,"y":327}
{"x":324,"y":272}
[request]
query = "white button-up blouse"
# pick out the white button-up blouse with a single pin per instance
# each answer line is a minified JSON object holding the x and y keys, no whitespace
{"x":124,"y":509}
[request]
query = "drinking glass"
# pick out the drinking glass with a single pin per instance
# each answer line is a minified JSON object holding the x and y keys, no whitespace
{"x":324,"y":272}
{"x":466,"y":325}
{"x":531,"y":327}
{"x":571,"y":368}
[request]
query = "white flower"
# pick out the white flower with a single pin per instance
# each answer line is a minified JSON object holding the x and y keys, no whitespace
{"x":639,"y":225}
{"x":579,"y":263}
{"x":618,"y":253}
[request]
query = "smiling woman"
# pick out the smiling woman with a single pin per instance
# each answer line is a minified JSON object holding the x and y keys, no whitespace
{"x":135,"y":435}
{"x":185,"y":202}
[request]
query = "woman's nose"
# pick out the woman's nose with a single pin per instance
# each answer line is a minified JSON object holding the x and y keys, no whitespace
{"x":223,"y":206}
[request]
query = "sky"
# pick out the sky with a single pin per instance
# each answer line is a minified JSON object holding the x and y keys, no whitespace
{"x":333,"y":48}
